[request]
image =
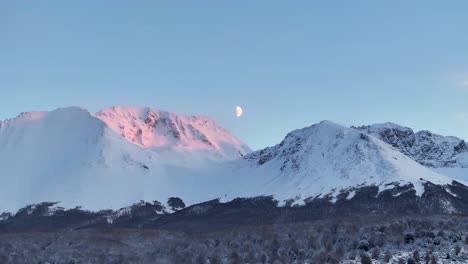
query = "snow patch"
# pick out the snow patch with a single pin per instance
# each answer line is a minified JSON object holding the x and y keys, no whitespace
{"x":350,"y":195}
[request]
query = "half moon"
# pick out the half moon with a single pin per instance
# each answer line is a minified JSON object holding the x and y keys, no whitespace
{"x":239,"y":111}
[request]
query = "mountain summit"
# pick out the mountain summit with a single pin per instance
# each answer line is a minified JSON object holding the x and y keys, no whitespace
{"x":154,"y":129}
{"x":444,"y":154}
{"x":110,"y":159}
{"x":123,"y":155}
{"x":327,"y":157}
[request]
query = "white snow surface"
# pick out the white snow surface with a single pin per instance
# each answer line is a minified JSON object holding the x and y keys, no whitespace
{"x":72,"y":157}
{"x":327,"y":157}
{"x":79,"y":159}
{"x":443,"y":154}
{"x":165,"y":132}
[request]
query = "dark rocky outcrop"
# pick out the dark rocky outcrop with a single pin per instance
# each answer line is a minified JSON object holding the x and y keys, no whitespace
{"x":366,"y":200}
{"x":425,"y":147}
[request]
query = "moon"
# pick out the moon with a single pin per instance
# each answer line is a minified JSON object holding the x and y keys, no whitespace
{"x":239,"y":111}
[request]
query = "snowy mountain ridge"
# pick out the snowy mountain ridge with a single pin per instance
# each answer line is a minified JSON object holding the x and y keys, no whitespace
{"x":123,"y":155}
{"x":154,"y":129}
{"x":320,"y":171}
{"x":327,"y":157}
{"x":425,"y":147}
{"x":69,"y":155}
{"x":443,"y":154}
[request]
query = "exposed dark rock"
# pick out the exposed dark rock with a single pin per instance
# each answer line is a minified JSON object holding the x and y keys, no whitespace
{"x":176,"y":203}
{"x":424,"y":147}
{"x":247,"y":211}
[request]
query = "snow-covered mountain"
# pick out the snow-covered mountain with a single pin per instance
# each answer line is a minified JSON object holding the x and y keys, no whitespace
{"x":328,"y":158}
{"x":444,"y":154}
{"x":159,"y":130}
{"x":77,"y":158}
{"x":122,"y":155}
{"x":320,"y":171}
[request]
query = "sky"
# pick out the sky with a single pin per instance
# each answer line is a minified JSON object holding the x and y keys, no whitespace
{"x":289,"y":64}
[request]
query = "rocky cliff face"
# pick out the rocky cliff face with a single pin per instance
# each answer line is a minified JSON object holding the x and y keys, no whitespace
{"x":159,"y":130}
{"x":107,"y":160}
{"x":327,"y":157}
{"x":429,"y":149}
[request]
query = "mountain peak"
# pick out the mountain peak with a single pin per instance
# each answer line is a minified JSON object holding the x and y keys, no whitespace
{"x":74,"y":156}
{"x":136,"y":153}
{"x":425,"y":147}
{"x":326,"y":156}
{"x":155,"y":129}
{"x":328,"y":122}
{"x":70,"y":112}
{"x":303,"y":141}
{"x":324,"y":127}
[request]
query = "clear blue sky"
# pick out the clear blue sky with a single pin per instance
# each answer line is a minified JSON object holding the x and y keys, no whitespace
{"x":288,"y":63}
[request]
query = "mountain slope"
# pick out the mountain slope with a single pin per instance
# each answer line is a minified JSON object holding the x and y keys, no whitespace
{"x":444,"y":154}
{"x":69,"y":155}
{"x":98,"y":161}
{"x":159,"y":131}
{"x":326,"y":158}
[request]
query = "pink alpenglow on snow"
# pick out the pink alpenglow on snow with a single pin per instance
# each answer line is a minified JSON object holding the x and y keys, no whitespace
{"x":74,"y":156}
{"x":154,"y":129}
